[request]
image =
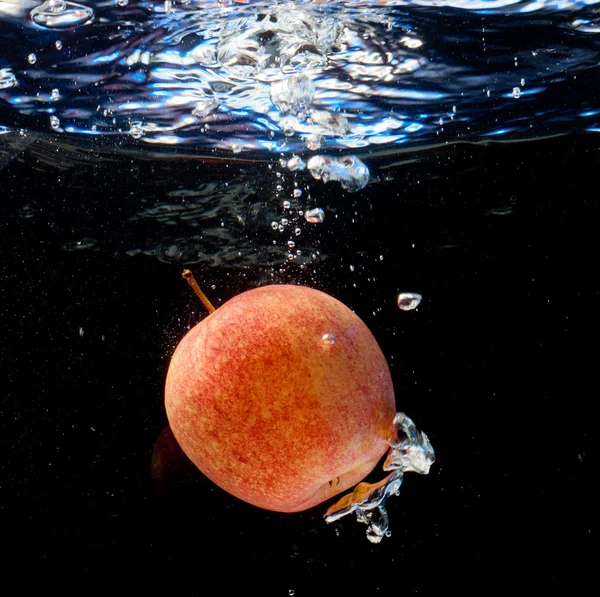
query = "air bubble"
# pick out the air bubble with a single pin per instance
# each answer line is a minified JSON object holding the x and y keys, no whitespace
{"x":297,"y":193}
{"x":136,"y":130}
{"x":291,"y":244}
{"x":297,"y":232}
{"x":296,"y":163}
{"x":54,"y":122}
{"x":315,"y":216}
{"x":407,"y":301}
{"x":274,"y":225}
{"x":516,"y":92}
{"x":58,"y":14}
{"x":55,"y":95}
{"x":286,"y":205}
{"x":328,"y":339}
{"x":32,"y":58}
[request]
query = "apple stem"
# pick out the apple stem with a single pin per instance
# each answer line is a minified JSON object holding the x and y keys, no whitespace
{"x":189,"y":278}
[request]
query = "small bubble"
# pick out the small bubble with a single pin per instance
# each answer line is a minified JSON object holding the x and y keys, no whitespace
{"x":297,"y":232}
{"x":328,"y":339}
{"x":55,"y":95}
{"x":136,"y":130}
{"x":236,"y":147}
{"x":32,"y":58}
{"x":388,"y":533}
{"x":297,"y":193}
{"x":122,"y":2}
{"x":58,"y":44}
{"x":291,"y":592}
{"x":284,"y":221}
{"x":351,"y":268}
{"x":286,"y":205}
{"x":315,"y":216}
{"x":54,"y":122}
{"x":407,"y":301}
{"x":291,"y":244}
{"x":81,"y":332}
{"x":274,"y":225}
{"x":516,"y":92}
{"x":522,"y":82}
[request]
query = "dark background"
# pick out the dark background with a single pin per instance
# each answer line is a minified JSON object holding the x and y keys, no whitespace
{"x":497,"y":365}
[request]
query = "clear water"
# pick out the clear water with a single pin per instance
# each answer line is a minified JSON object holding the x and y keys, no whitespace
{"x":283,"y":77}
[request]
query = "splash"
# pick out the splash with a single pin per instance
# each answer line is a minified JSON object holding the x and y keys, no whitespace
{"x":295,"y":77}
{"x":410,"y":451}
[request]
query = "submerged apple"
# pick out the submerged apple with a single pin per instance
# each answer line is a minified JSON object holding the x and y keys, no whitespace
{"x":282,"y":397}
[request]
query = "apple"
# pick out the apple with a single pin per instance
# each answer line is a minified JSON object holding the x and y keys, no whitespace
{"x":282,"y":397}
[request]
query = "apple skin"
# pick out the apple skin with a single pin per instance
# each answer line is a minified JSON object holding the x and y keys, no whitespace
{"x":271,"y":412}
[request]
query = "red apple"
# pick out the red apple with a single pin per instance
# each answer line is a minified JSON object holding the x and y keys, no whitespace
{"x":282,"y":397}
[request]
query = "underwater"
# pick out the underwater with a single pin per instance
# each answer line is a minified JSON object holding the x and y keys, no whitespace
{"x":432,"y":165}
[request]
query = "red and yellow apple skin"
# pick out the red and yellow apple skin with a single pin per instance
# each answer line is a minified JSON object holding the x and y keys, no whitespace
{"x":273,"y":412}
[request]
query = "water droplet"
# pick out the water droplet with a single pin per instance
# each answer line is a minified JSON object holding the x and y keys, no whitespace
{"x":315,"y":216}
{"x":55,"y":95}
{"x":388,"y":533}
{"x":291,"y":244}
{"x":286,"y":205}
{"x":32,"y":58}
{"x":516,"y":92}
{"x":297,"y":232}
{"x":54,"y":122}
{"x":297,"y":193}
{"x":284,"y":221}
{"x":407,"y":301}
{"x":274,"y":225}
{"x":328,"y":339}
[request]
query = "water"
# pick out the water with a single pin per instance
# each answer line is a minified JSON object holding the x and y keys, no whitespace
{"x":265,"y":77}
{"x":446,"y":149}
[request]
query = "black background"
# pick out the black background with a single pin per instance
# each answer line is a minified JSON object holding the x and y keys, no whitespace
{"x":497,"y":365}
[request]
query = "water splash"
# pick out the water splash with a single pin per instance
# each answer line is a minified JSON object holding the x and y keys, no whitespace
{"x":297,"y":76}
{"x":410,"y":451}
